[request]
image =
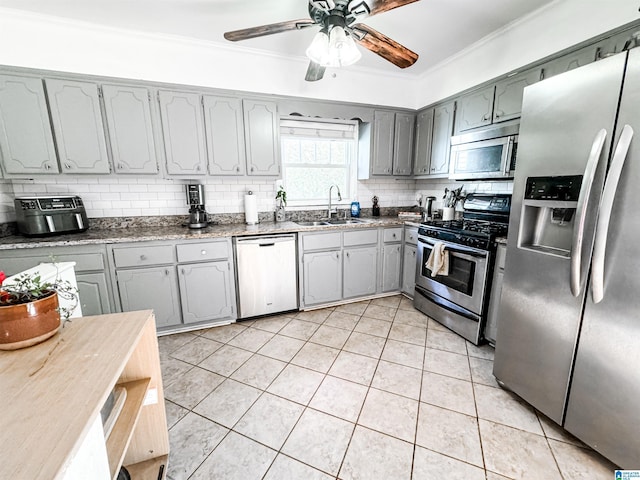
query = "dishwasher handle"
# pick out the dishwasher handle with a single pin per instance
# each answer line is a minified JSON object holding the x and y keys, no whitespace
{"x":265,"y":240}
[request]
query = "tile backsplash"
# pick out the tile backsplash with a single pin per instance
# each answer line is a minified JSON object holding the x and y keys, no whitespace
{"x":143,"y":196}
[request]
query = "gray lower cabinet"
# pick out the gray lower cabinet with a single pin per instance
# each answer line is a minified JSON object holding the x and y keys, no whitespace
{"x":77,"y":123}
{"x":491,"y":328}
{"x":409,"y":261}
{"x":391,"y":265}
{"x":206,"y":291}
{"x":359,"y":271}
{"x":151,"y":288}
{"x":183,"y":133}
{"x":26,"y":139}
{"x":224,"y":126}
{"x":128,"y":113}
{"x":91,"y":271}
{"x":322,"y":277}
{"x":262,"y":137}
{"x":185,"y":283}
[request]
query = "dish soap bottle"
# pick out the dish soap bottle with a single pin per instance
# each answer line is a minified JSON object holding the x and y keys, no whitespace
{"x":355,"y":209}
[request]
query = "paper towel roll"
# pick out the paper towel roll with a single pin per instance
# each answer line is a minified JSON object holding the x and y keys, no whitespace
{"x":251,"y":209}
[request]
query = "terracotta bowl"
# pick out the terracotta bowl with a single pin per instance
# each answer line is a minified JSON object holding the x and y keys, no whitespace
{"x":29,"y":323}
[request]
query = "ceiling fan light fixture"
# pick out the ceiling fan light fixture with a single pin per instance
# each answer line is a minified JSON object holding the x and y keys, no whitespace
{"x":342,"y":48}
{"x":318,"y":50}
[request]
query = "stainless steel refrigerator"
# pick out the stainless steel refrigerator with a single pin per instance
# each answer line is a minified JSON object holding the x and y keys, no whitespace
{"x":568,"y":339}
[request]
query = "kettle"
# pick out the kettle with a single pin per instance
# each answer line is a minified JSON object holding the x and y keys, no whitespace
{"x":428,"y":215}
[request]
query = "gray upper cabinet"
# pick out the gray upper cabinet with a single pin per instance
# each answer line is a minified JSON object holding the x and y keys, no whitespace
{"x":508,"y":96}
{"x":78,"y":127}
{"x":261,"y":137}
{"x":573,"y":60}
{"x":443,"y":118}
{"x":383,"y":135}
{"x":403,"y":143}
{"x":424,"y":131}
{"x":183,"y":130}
{"x":26,"y":140}
{"x":130,"y":129}
{"x":475,"y":109}
{"x":223,"y":120}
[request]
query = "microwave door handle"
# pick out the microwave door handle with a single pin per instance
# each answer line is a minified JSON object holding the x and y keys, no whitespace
{"x":506,"y":160}
{"x":576,"y":275}
{"x":604,"y":215}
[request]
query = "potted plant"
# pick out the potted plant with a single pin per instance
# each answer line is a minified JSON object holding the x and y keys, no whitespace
{"x":281,"y":197}
{"x":29,"y":309}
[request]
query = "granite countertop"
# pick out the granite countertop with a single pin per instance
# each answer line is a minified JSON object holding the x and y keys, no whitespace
{"x":147,"y":233}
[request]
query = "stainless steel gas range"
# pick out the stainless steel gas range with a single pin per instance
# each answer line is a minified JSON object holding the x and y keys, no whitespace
{"x":458,"y":298}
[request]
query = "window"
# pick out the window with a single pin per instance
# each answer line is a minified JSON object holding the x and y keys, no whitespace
{"x":316,"y":154}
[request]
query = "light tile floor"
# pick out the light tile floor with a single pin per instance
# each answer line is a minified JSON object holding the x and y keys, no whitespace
{"x":369,"y":390}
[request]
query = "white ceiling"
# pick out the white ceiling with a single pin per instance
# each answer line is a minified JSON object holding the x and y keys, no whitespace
{"x":435,"y":29}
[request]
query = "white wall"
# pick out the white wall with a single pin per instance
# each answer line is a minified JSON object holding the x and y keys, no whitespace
{"x":7,"y":212}
{"x":553,"y":28}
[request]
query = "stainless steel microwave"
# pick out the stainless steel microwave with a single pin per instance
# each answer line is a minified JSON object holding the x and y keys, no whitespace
{"x":486,"y":154}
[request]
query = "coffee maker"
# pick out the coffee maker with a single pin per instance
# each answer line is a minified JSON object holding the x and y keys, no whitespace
{"x":195,"y":200}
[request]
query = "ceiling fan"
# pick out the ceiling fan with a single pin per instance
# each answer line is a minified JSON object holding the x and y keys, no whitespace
{"x":334,"y":44}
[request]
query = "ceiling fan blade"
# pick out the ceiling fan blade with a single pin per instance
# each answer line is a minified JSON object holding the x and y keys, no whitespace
{"x":384,"y":46}
{"x":270,"y":29}
{"x":315,"y":72}
{"x":361,"y":8}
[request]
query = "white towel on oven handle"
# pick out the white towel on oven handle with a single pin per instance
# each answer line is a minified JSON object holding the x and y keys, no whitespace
{"x":438,"y":261}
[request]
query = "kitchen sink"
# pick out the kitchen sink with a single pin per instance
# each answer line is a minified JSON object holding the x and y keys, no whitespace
{"x":333,"y":221}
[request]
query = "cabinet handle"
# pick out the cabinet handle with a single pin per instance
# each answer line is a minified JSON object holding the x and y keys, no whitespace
{"x":347,"y":254}
{"x":198,"y":168}
{"x":47,"y":166}
{"x":393,"y":235}
{"x":120,"y":166}
{"x":338,"y":255}
{"x":486,"y":117}
{"x":183,"y":271}
{"x":413,"y":253}
{"x":252,"y":169}
{"x":238,"y":169}
{"x":67,"y":166}
{"x":166,"y":272}
{"x":203,"y":252}
{"x":143,"y":257}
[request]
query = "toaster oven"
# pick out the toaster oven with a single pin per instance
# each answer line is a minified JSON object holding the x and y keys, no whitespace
{"x":39,"y":216}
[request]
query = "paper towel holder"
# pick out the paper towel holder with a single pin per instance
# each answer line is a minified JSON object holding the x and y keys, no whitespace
{"x":250,"y":209}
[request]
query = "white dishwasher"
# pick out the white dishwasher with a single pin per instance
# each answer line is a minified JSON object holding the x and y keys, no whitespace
{"x":266,"y":269}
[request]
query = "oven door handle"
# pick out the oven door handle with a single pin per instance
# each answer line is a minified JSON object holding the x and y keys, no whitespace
{"x":457,"y":249}
{"x":447,"y":305}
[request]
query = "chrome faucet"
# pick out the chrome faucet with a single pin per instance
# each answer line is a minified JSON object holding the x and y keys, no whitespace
{"x":333,"y":210}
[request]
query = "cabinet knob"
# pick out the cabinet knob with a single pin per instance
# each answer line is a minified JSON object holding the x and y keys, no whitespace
{"x":413,"y":253}
{"x":166,"y":272}
{"x":238,"y":169}
{"x":338,"y":255}
{"x":67,"y":166}
{"x":393,"y":235}
{"x":47,"y":166}
{"x":183,"y":271}
{"x":120,"y":166}
{"x":203,"y":252}
{"x":347,"y":254}
{"x":252,"y":169}
{"x":198,"y":168}
{"x":143,"y":257}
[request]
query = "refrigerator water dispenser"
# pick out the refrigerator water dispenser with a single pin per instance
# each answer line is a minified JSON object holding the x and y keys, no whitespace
{"x":548,"y":214}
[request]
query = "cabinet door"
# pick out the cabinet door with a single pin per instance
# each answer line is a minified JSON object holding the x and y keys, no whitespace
{"x":475,"y":109}
{"x":183,"y":130}
{"x":360,"y":271}
{"x":206,"y":291}
{"x":508,"y":98}
{"x":424,"y":130}
{"x":322,"y":277}
{"x":441,"y":146}
{"x":409,"y":270}
{"x":26,"y":140}
{"x":128,"y":113}
{"x":576,"y":59}
{"x":403,"y":143}
{"x":261,"y":137}
{"x":382,"y":154}
{"x":155,"y":288}
{"x":391,"y":264}
{"x":93,"y":293}
{"x":77,"y":123}
{"x":225,"y":135}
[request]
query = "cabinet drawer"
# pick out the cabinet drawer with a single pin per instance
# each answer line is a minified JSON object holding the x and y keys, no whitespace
{"x":501,"y":255}
{"x":200,"y":252}
{"x":360,"y":237}
{"x":322,"y":241}
{"x":84,"y":262}
{"x":142,"y":256}
{"x":392,"y":235}
{"x":411,"y":236}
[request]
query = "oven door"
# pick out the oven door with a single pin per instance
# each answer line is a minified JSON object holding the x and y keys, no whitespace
{"x":483,"y":159}
{"x":468,"y":270}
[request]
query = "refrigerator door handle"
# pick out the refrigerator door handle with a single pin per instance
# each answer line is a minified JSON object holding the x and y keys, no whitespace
{"x":576,"y":280}
{"x":604,"y":216}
